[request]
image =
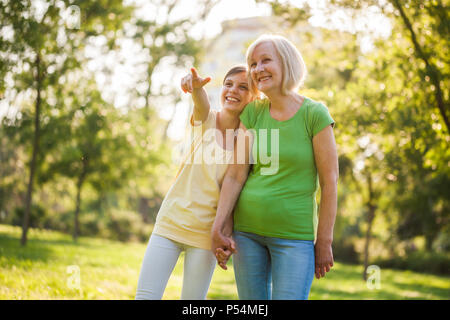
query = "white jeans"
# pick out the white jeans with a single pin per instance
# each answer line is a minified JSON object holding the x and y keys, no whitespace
{"x":159,"y":260}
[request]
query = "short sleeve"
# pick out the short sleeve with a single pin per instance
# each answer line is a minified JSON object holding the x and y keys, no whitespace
{"x":320,"y":118}
{"x":209,"y":122}
{"x":247,"y":115}
{"x":253,"y":111}
{"x":199,"y":128}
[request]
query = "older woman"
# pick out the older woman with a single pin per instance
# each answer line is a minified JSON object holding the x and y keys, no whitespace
{"x":275,"y":211}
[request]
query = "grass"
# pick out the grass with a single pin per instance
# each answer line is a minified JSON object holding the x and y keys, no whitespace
{"x":110,"y":270}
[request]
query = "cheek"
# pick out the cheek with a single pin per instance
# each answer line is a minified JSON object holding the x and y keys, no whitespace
{"x":246,"y":97}
{"x":278,"y":67}
{"x":222,"y":94}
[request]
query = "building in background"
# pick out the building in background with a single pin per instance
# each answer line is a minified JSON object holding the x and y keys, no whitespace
{"x":229,"y":47}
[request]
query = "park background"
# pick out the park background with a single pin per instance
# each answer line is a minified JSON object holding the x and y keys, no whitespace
{"x":92,"y":122}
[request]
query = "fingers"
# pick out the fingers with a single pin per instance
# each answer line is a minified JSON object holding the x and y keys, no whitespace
{"x":182,"y":85}
{"x":317,"y":272}
{"x":194,"y":73}
{"x":205,"y":81}
{"x":193,"y":81}
{"x":222,"y":247}
{"x":322,"y":269}
{"x":223,"y":254}
{"x":324,"y":260}
{"x":320,"y":272}
{"x":186,"y":84}
{"x":232,"y":245}
{"x":222,"y":257}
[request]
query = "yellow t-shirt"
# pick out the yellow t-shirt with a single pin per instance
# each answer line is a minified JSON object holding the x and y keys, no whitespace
{"x":189,"y":208}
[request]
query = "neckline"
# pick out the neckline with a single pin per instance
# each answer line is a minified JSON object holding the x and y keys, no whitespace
{"x":293,"y":116}
{"x":223,"y":135}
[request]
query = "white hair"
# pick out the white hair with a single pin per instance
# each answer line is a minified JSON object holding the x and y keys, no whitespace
{"x":293,"y":66}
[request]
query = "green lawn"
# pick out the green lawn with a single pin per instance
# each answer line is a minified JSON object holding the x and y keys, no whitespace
{"x":110,"y":270}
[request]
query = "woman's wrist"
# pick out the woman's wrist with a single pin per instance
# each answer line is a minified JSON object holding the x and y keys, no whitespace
{"x":217,"y":228}
{"x":324,"y":240}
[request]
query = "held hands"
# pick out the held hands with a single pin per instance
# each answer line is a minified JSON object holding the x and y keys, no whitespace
{"x":223,"y":247}
{"x":193,"y":81}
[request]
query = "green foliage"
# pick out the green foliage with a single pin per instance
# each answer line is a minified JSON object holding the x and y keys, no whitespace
{"x":344,"y":251}
{"x":80,"y":136}
{"x":37,"y":217}
{"x":419,"y":261}
{"x":125,"y":225}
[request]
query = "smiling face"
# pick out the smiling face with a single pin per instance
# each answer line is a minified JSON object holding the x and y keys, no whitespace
{"x":266,"y":68}
{"x":235,"y":94}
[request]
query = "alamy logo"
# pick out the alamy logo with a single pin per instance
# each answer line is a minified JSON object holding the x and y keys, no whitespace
{"x":374,"y":277}
{"x":252,"y":146}
{"x":74,"y":280}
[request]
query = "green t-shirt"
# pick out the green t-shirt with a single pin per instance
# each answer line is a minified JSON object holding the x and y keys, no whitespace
{"x":281,"y":201}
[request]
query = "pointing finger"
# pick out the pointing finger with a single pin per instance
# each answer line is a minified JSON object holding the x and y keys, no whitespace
{"x":194,"y":73}
{"x":205,"y":81}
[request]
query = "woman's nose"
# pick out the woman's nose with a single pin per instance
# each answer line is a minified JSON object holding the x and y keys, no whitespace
{"x":233,"y":89}
{"x":259,"y":67}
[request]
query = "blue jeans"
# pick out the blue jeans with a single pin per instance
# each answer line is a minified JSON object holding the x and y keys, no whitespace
{"x":272,"y":268}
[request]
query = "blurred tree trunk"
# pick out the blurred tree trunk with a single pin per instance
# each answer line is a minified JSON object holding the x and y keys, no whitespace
{"x":81,"y":179}
{"x":35,"y":150}
{"x":169,"y":122}
{"x":370,"y":217}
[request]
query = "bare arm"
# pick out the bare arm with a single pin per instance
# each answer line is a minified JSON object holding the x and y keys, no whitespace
{"x":233,"y":182}
{"x":201,"y":104}
{"x":326,"y":159}
{"x":194,"y":84}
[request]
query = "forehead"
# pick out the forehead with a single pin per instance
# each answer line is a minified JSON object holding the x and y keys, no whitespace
{"x":238,"y":77}
{"x":264,"y":48}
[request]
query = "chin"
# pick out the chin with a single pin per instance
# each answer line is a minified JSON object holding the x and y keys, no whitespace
{"x":263,"y":86}
{"x":234,"y":108}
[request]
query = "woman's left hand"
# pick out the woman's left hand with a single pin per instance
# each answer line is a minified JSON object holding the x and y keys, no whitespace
{"x":323,"y":258}
{"x":222,"y":257}
{"x":222,"y":247}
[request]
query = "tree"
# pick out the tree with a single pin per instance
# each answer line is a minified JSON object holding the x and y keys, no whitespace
{"x":397,"y":97}
{"x":163,"y":38}
{"x":91,"y":152}
{"x":430,"y":48}
{"x":167,"y":43}
{"x":45,"y":50}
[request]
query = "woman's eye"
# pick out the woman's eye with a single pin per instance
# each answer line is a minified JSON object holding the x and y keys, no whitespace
{"x":244,"y":88}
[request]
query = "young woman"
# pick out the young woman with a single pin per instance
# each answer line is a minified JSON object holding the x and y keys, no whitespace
{"x":187,"y":213}
{"x":275,"y":214}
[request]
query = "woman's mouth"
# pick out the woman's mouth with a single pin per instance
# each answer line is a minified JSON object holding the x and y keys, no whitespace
{"x":231,"y":99}
{"x":265,"y":78}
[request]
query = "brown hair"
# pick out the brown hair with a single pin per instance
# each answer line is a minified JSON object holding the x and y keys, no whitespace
{"x":235,"y":70}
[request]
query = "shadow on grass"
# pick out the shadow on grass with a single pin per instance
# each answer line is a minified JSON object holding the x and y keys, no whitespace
{"x":345,"y":282}
{"x":35,"y":250}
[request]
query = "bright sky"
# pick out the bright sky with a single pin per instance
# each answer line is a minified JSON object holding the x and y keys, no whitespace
{"x":233,"y":9}
{"x":117,"y":89}
{"x":373,"y":24}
